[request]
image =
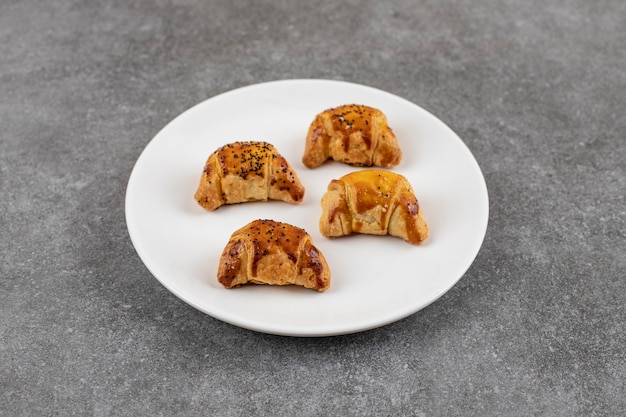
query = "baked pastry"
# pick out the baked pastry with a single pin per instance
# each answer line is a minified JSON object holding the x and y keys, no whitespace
{"x":247,"y":171}
{"x":372,"y":201}
{"x":273,"y":253}
{"x":354,"y":134}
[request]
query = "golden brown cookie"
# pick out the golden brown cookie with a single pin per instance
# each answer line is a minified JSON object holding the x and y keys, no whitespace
{"x":247,"y":171}
{"x":272,"y":253}
{"x":354,"y":134}
{"x":372,"y":201}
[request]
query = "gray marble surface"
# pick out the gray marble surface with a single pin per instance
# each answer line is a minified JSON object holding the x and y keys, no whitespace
{"x":536,"y":327}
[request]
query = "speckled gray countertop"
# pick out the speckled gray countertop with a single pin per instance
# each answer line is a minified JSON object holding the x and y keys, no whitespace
{"x":536,"y":327}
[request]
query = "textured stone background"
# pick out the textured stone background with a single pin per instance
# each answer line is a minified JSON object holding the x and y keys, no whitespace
{"x":536,"y":89}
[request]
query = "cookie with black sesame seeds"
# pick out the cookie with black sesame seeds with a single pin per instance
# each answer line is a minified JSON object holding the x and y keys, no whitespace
{"x":354,"y":134}
{"x":244,"y":171}
{"x":273,"y":253}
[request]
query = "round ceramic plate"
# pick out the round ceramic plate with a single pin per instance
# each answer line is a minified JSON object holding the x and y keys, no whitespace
{"x":376,"y":280}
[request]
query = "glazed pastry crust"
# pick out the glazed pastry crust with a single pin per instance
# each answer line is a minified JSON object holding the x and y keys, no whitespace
{"x":353,"y":134}
{"x":372,"y":201}
{"x":247,"y":171}
{"x":272,"y":253}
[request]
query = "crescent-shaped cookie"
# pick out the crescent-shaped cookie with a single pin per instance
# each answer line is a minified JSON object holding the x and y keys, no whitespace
{"x":247,"y":171}
{"x":372,"y":201}
{"x":354,"y":134}
{"x":272,"y":253}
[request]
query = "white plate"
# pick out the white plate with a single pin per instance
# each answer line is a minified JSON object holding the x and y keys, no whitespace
{"x":376,"y":280}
